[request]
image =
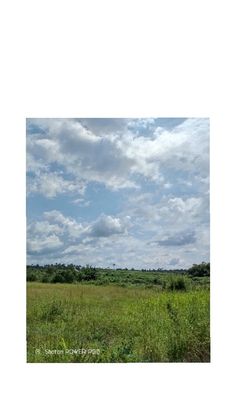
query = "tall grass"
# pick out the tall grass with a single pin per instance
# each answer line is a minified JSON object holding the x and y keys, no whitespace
{"x":115,"y":324}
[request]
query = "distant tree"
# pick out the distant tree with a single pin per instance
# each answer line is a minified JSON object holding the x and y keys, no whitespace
{"x":32,"y":276}
{"x":64,"y":276}
{"x":89,"y":273}
{"x":49,"y":269}
{"x":200,"y":270}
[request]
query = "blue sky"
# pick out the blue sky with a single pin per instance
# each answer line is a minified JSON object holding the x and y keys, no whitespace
{"x":129,"y":192}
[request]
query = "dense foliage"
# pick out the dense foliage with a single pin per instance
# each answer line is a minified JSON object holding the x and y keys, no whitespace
{"x":60,"y":273}
{"x":181,"y":280}
{"x":203,"y":269}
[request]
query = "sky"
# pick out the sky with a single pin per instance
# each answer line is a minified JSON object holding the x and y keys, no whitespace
{"x":118,"y":192}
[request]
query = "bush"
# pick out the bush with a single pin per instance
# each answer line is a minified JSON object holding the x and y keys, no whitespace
{"x":203,"y":269}
{"x":157,"y":281}
{"x":58,"y":278}
{"x":46,"y":279}
{"x":32,"y":276}
{"x":89,"y":273}
{"x":177,"y":284}
{"x":65,"y":276}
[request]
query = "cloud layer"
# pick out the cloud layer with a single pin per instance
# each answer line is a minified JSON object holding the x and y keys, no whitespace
{"x":134,"y":192}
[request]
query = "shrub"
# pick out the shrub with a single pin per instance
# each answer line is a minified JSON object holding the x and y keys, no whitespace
{"x":46,"y":279}
{"x":69,"y":276}
{"x":157,"y":281}
{"x":177,"y":284}
{"x":203,"y":269}
{"x":58,"y":278}
{"x":89,"y":273}
{"x":32,"y":276}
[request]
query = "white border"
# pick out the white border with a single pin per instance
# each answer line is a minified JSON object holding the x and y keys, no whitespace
{"x":120,"y":59}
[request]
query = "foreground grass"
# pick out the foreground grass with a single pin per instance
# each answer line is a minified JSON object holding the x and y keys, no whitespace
{"x":86,"y":323}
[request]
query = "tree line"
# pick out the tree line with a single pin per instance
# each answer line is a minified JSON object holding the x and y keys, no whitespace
{"x":61,"y":273}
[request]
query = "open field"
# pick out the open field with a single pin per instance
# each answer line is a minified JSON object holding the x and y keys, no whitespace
{"x":84,"y":322}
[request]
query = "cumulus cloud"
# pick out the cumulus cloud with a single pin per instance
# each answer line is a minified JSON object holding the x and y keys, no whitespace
{"x":107,"y":225}
{"x":103,"y":126}
{"x":136,"y":190}
{"x":70,"y":227}
{"x":116,"y":161}
{"x":44,"y":228}
{"x":42,"y":245}
{"x":82,"y":154}
{"x":54,"y":231}
{"x":51,"y":184}
{"x":182,"y":238}
{"x":51,"y":232}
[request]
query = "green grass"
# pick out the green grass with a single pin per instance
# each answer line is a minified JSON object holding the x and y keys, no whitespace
{"x":120,"y":324}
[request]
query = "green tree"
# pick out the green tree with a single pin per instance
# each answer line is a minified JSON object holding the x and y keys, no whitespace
{"x":200,"y":270}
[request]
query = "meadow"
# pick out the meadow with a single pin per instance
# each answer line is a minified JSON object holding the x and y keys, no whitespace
{"x":123,"y":316}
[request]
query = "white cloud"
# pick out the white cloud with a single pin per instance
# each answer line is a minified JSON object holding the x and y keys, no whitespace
{"x":183,"y":206}
{"x":82,"y":154}
{"x":185,"y":149}
{"x":104,"y":126}
{"x":107,"y":225}
{"x":39,"y":245}
{"x":181,"y":238}
{"x":174,"y":262}
{"x":71,"y":227}
{"x":159,"y":178}
{"x":51,"y":184}
{"x":55,"y":231}
{"x":110,"y":239}
{"x":81,"y":202}
{"x":44,"y":228}
{"x":116,"y":161}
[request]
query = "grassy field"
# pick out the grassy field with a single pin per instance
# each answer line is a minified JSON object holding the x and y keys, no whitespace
{"x":112,"y":323}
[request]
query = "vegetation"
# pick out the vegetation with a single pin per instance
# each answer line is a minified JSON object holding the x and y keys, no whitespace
{"x":200,"y":270}
{"x":60,"y":273}
{"x":132,"y":316}
{"x":181,"y":280}
{"x":85,"y":323}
